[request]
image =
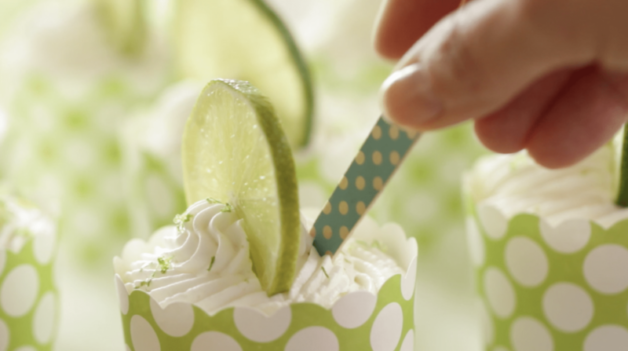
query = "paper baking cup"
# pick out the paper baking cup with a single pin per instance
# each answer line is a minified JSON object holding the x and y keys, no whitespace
{"x":550,"y":287}
{"x":28,"y":296}
{"x":358,"y":321}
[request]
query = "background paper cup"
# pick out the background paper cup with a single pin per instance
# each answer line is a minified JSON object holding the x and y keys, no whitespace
{"x":358,"y":321}
{"x":28,"y":296}
{"x":550,"y":287}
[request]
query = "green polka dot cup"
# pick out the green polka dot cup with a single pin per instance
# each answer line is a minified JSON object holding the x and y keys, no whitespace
{"x":28,"y":296}
{"x":550,"y":287}
{"x":358,"y":321}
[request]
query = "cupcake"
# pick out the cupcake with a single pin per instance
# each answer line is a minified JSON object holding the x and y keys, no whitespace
{"x":550,"y":249}
{"x":192,"y":287}
{"x":28,"y":296}
{"x":238,"y":270}
{"x":67,"y":89}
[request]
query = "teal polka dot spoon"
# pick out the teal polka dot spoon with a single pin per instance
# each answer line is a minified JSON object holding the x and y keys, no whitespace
{"x":376,"y":162}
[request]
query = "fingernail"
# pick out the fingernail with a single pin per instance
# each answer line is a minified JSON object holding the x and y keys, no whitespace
{"x":406,"y":97}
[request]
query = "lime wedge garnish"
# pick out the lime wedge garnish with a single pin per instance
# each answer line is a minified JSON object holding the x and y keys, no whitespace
{"x":244,"y":39}
{"x":124,"y":23}
{"x":235,"y":152}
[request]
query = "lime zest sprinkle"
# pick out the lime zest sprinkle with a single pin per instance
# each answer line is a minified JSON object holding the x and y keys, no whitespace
{"x":165,"y":263}
{"x":145,"y":283}
{"x":211,"y":263}
{"x":181,"y":219}
{"x":227,"y":208}
{"x":325,"y":272}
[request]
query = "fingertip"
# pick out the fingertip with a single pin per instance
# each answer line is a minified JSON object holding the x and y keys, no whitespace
{"x":406,"y":99}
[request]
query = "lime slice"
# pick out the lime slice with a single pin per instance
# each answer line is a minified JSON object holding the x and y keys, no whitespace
{"x":124,"y":23}
{"x":244,"y":39}
{"x":235,"y":151}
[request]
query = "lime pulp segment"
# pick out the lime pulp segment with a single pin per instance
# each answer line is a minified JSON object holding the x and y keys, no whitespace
{"x":235,"y":151}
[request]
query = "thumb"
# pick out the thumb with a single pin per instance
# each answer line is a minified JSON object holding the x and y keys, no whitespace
{"x":479,"y":58}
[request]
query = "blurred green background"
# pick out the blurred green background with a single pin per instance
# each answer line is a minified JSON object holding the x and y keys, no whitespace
{"x":92,"y":132}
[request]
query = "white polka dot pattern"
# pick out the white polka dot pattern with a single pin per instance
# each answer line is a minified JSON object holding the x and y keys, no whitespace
{"x":313,"y":339}
{"x":409,"y":281}
{"x":526,"y":261}
{"x":493,"y":222}
{"x":4,"y":336}
{"x":355,"y":309}
{"x":386,"y":331}
{"x":260,"y":328}
{"x":607,"y":338}
{"x":143,"y":335}
{"x":44,"y":247}
{"x":19,"y":290}
{"x":44,"y":319}
{"x":605,"y":269}
{"x":567,"y":278}
{"x":215,"y":341}
{"x":568,"y":307}
{"x":408,"y":342}
{"x":386,"y":321}
{"x":528,"y":334}
{"x":500,"y":293}
{"x":568,"y":237}
{"x":175,"y":320}
{"x":28,"y":303}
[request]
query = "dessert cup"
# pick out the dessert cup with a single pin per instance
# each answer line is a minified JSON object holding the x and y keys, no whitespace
{"x":357,"y":320}
{"x":28,"y":296}
{"x":550,"y":251}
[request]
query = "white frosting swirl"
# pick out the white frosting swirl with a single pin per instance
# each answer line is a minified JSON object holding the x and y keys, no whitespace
{"x":205,"y":261}
{"x":20,"y":221}
{"x":516,"y":184}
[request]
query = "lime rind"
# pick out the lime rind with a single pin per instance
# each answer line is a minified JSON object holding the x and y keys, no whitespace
{"x":302,"y":67}
{"x":236,"y":152}
{"x":245,"y":39}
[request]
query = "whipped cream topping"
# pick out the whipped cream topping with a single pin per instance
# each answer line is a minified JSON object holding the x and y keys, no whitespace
{"x":516,"y":184}
{"x":204,"y":260}
{"x":20,"y":222}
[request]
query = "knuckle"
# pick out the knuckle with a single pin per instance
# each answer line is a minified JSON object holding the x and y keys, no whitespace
{"x":459,"y":65}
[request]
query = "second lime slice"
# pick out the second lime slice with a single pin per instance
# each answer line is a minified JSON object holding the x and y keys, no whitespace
{"x":234,"y":151}
{"x":245,"y":39}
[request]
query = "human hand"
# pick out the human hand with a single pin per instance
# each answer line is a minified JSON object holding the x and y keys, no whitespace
{"x":550,"y":76}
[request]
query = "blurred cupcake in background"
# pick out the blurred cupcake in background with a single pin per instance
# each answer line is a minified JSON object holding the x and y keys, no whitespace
{"x":550,"y":249}
{"x":28,"y":295}
{"x":67,"y":88}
